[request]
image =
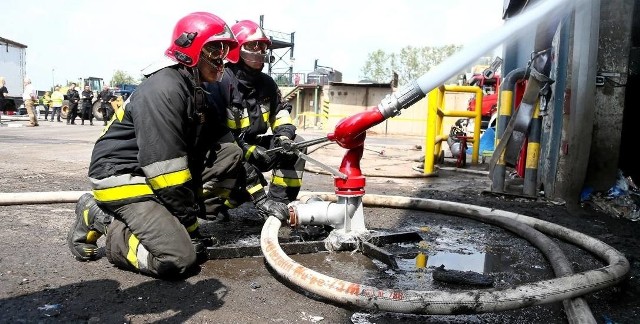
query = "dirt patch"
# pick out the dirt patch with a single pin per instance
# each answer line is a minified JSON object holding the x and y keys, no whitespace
{"x":41,"y":282}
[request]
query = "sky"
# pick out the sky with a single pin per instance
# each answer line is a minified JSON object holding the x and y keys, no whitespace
{"x":71,"y":39}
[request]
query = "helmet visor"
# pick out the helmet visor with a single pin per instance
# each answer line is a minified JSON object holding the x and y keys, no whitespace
{"x":214,"y":51}
{"x":256,"y":47}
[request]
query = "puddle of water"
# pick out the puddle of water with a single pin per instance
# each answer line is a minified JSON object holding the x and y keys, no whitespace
{"x":462,"y":262}
{"x":480,"y":262}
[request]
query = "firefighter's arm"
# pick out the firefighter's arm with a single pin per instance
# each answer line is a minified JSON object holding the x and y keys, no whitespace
{"x":280,"y":119}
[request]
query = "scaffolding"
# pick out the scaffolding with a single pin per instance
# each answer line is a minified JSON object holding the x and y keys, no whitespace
{"x":280,"y":68}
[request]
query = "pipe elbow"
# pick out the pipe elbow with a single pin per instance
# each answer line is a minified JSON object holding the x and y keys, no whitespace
{"x":321,"y":213}
{"x":350,"y":131}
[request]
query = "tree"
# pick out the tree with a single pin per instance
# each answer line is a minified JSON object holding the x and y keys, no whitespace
{"x":121,"y":77}
{"x":377,"y":67}
{"x":410,"y":63}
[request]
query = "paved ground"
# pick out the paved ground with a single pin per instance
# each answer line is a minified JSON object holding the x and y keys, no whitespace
{"x":41,"y":283}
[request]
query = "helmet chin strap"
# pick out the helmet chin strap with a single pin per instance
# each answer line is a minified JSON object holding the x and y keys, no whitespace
{"x":217,"y":67}
{"x":198,"y":96}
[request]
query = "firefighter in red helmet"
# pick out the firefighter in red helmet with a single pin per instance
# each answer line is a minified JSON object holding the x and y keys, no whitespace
{"x":146,"y":168}
{"x":253,"y":104}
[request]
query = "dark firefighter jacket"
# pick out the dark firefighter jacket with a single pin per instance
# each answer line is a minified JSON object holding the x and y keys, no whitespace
{"x":87,"y":97}
{"x":105,"y":96}
{"x":253,"y":103}
{"x":154,"y":148}
{"x":73,"y":96}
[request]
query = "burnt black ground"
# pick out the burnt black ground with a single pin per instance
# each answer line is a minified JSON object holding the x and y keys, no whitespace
{"x":41,"y":283}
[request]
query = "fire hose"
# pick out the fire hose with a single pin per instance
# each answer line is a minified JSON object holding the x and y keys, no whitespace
{"x":468,"y":301}
{"x":350,"y":134}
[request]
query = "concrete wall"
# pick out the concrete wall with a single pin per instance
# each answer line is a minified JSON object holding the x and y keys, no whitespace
{"x":345,"y":100}
{"x":613,"y":57}
{"x":579,"y":117}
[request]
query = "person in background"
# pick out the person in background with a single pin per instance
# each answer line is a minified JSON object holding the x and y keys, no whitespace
{"x":87,"y":105}
{"x":105,"y":96}
{"x":46,"y":102}
{"x":74,"y":98}
{"x":252,"y":104}
{"x":147,"y":167}
{"x":3,"y":91}
{"x":29,"y":97}
{"x":57,"y":98}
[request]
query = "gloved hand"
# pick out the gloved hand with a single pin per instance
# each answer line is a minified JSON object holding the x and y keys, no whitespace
{"x":201,"y":242}
{"x":256,"y":154}
{"x":286,"y":143}
{"x":268,"y":207}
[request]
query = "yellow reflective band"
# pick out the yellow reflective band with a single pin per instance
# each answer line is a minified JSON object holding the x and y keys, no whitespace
{"x":255,"y":188}
{"x":244,"y":123}
{"x":286,"y":182}
{"x":193,"y":227}
{"x":93,"y":236}
{"x":265,"y":116}
{"x":229,"y":204}
{"x":249,"y":152}
{"x":120,"y":113}
{"x":85,"y":216}
{"x":282,"y":121}
{"x":132,"y":255}
{"x":122,"y":192}
{"x":170,"y":179}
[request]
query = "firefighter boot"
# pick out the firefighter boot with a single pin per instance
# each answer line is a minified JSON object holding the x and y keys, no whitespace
{"x":90,"y":224}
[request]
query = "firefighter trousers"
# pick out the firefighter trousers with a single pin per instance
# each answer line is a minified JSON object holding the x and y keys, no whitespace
{"x":223,"y":167}
{"x":145,"y":237}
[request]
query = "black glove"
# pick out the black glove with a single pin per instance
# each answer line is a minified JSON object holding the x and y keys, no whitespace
{"x":201,"y":243}
{"x":268,"y":207}
{"x":256,"y":154}
{"x":286,"y":144}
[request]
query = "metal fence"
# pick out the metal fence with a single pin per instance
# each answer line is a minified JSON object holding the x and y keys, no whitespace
{"x":289,"y":79}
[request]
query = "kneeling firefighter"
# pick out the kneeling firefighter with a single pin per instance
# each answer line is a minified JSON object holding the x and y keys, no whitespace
{"x":146,"y":168}
{"x":253,"y":104}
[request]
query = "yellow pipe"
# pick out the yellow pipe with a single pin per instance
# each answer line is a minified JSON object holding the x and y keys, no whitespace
{"x":421,"y":260}
{"x":439,"y":118}
{"x":458,"y":113}
{"x":476,"y":115}
{"x":429,"y":143}
{"x":435,"y":118}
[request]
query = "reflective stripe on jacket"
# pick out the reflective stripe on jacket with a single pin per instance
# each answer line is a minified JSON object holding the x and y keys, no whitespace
{"x":150,"y":150}
{"x":56,"y":99}
{"x":253,"y":103}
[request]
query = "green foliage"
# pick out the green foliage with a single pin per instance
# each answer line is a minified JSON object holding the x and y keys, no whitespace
{"x":410,"y":63}
{"x":121,"y":77}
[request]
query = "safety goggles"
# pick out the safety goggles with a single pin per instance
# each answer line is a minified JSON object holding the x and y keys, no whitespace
{"x":255,"y":46}
{"x":215,"y":52}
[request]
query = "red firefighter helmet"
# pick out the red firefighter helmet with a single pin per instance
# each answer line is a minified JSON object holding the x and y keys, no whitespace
{"x":252,"y":41}
{"x":193,"y":32}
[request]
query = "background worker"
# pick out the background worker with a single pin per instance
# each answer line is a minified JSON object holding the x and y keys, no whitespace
{"x":57,"y":98}
{"x":146,"y":167}
{"x":105,"y":96}
{"x":46,"y":102}
{"x":29,"y":98}
{"x":74,"y":98}
{"x":3,"y":92}
{"x":253,"y":105}
{"x":87,"y":105}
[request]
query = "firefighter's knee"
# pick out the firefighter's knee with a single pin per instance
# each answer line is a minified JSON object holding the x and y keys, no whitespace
{"x":179,"y":263}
